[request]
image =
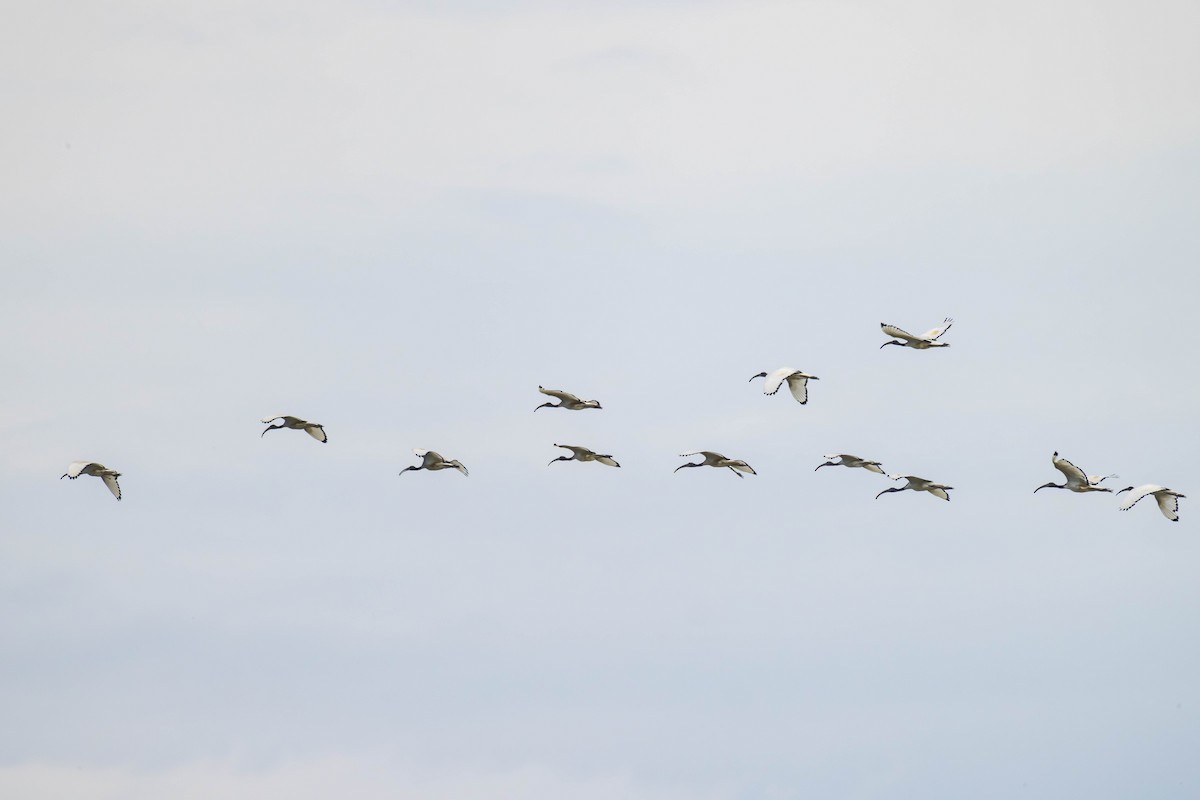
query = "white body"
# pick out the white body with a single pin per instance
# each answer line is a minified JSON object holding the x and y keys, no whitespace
{"x":109,"y":476}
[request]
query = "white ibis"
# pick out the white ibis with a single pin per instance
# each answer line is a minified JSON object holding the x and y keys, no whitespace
{"x":797,"y":382}
{"x":847,"y":460}
{"x":566,"y":400}
{"x":584,"y":454}
{"x":923,"y":342}
{"x":918,"y":485}
{"x":109,"y":476}
{"x":711,"y":459}
{"x":1077,"y":479}
{"x":433,"y":461}
{"x":1168,"y":500}
{"x":314,"y":429}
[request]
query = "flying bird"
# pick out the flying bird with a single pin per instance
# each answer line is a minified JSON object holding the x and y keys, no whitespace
{"x":584,"y":454}
{"x":566,"y":400}
{"x":918,"y":485}
{"x":711,"y":459}
{"x":109,"y":476}
{"x":314,"y":429}
{"x":848,"y":460}
{"x":1168,"y":500}
{"x":797,"y":382}
{"x":923,"y":342}
{"x":1077,"y":479}
{"x":433,"y":461}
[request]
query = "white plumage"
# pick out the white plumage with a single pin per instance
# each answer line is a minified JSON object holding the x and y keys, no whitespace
{"x":313,"y":429}
{"x":711,"y":459}
{"x":923,"y":342}
{"x":584,"y":454}
{"x":847,"y":460}
{"x":433,"y":461}
{"x":918,"y":485}
{"x":1168,"y":499}
{"x":566,"y":400}
{"x":1077,"y":479}
{"x":797,"y":382}
{"x":109,"y":476}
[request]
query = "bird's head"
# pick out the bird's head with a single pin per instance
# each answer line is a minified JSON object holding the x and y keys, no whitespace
{"x":1045,"y":486}
{"x":1126,"y":489}
{"x":759,"y":375}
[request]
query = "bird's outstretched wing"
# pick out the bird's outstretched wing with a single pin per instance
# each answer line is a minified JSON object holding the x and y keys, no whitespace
{"x":739,"y":465}
{"x":76,"y":468}
{"x":565,"y":397}
{"x":317,"y":432}
{"x":775,"y":379}
{"x":458,"y":465}
{"x":1137,"y":493}
{"x":899,"y":333}
{"x":938,"y":491}
{"x":578,"y":451}
{"x":933,"y":334}
{"x":110,"y":480}
{"x":705,"y":453}
{"x":798,"y":385}
{"x":1075,"y":476}
{"x":1168,"y":504}
{"x":607,"y":460}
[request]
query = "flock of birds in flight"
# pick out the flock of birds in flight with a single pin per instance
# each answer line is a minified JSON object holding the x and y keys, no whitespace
{"x":797,"y":381}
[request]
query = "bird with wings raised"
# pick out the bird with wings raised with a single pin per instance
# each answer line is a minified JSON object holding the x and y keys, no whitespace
{"x":1077,"y":479}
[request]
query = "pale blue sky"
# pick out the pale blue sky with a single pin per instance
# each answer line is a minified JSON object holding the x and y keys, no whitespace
{"x":400,"y":219}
